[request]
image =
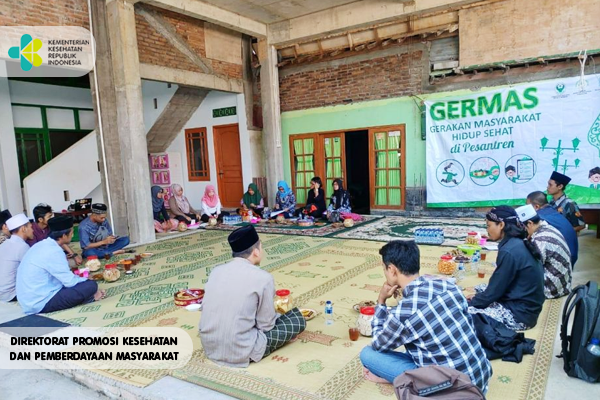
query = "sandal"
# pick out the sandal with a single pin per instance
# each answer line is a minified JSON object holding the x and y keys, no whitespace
{"x":130,"y":251}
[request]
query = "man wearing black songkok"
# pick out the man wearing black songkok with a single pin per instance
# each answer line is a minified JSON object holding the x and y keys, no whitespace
{"x":96,"y":236}
{"x":239,"y":323}
{"x":561,"y":203}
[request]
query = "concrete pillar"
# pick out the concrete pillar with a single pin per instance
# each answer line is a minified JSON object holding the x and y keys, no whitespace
{"x":269,"y":90}
{"x":11,"y":196}
{"x":120,"y":99}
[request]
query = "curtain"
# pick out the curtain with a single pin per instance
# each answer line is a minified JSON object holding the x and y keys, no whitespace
{"x":380,"y":174}
{"x":394,"y":193}
{"x":333,"y":163}
{"x":304,"y":166}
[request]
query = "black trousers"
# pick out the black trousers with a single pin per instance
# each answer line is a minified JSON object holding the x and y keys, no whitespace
{"x":205,"y":217}
{"x":182,"y":219}
{"x":81,"y":293}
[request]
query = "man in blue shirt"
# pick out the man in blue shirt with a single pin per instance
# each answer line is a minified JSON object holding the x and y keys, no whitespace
{"x":44,"y":281}
{"x":96,"y":236}
{"x":12,"y":253}
{"x":431,"y":321}
{"x":539,"y":201}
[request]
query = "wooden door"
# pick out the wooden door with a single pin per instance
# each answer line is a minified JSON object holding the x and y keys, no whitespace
{"x":228,"y":159}
{"x":332,"y":160}
{"x":387,"y":159}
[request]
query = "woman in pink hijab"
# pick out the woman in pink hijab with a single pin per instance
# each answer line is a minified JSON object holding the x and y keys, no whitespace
{"x":181,"y":207}
{"x":211,"y":205}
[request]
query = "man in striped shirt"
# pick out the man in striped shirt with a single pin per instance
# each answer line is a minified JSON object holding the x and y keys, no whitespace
{"x":431,"y":322}
{"x":556,"y":257}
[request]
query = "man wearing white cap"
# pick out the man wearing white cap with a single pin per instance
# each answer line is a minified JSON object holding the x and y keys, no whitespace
{"x":556,"y":257}
{"x":13,"y":251}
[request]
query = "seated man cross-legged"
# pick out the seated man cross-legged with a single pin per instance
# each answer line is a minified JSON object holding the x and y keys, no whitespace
{"x":96,"y":236}
{"x":44,"y":281}
{"x":431,"y":321}
{"x":239,"y":323}
{"x":13,"y":251}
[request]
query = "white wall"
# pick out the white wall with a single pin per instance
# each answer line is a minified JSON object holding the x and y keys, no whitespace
{"x":75,"y":170}
{"x":49,"y":95}
{"x":202,"y":118}
{"x":10,"y":186}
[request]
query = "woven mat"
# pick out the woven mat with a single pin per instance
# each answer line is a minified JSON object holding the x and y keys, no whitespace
{"x":403,"y":228}
{"x":323,"y":363}
{"x":320,"y":229}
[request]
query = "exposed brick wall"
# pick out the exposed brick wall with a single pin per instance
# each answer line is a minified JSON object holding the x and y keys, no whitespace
{"x":44,"y":13}
{"x":154,"y":49}
{"x":375,"y":79}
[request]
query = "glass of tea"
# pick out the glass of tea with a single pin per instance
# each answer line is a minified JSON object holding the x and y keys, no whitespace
{"x":483,"y":255}
{"x":353,"y":332}
{"x":481,"y":272}
{"x":107,"y":256}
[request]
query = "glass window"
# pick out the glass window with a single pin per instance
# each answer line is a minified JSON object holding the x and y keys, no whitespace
{"x":197,"y":154}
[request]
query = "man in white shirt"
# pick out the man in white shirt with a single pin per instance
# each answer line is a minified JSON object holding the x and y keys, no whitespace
{"x":12,"y":253}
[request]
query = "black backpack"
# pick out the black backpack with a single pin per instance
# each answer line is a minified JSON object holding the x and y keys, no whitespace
{"x":578,"y":361}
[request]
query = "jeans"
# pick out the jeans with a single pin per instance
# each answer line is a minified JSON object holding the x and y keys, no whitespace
{"x":108,"y":249}
{"x":65,"y":298}
{"x":387,"y":365}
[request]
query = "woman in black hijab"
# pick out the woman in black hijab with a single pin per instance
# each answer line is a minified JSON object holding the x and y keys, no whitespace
{"x":340,"y":200}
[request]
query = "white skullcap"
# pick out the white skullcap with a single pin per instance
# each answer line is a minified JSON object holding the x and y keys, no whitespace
{"x":16,"y":222}
{"x":525,"y":213}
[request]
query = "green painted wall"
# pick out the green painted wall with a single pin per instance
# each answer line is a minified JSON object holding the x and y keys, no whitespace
{"x":358,"y":116}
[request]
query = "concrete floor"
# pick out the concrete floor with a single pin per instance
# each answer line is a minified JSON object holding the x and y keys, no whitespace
{"x":49,"y":385}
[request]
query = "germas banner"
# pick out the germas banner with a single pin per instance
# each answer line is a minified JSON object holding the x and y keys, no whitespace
{"x":495,"y":147}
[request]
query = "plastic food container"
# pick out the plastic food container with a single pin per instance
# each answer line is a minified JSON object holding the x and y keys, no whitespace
{"x":472,"y":238}
{"x":364,"y":321}
{"x":111,"y":273}
{"x":283,"y":301}
{"x":93,"y":264}
{"x":446,"y":265}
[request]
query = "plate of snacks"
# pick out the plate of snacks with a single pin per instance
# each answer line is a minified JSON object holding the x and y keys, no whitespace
{"x":147,"y":255}
{"x":186,"y":297}
{"x":308,"y":313}
{"x":96,"y":277}
{"x":362,"y":304}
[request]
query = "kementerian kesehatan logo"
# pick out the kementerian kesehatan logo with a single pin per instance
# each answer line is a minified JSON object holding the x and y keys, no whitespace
{"x":27,"y":52}
{"x":560,"y":87}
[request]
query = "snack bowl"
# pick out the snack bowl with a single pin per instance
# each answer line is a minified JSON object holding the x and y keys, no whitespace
{"x":147,"y":255}
{"x":367,"y":303}
{"x":186,"y":297}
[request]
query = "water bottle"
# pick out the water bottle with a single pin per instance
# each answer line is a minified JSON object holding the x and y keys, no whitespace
{"x":475,"y":261}
{"x":594,"y":347}
{"x":328,"y":313}
{"x":460,"y":273}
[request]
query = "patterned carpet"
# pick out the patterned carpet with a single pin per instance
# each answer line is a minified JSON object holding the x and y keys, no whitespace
{"x":403,"y":228}
{"x":323,"y":363}
{"x":320,"y":229}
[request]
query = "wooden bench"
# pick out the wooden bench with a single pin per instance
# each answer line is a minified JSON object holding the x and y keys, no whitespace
{"x":591,"y":215}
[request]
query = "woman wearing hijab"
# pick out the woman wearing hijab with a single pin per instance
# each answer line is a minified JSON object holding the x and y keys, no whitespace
{"x":162,"y":221}
{"x":211,"y":205}
{"x":515,"y":294}
{"x":340,"y":200}
{"x":252,"y":200}
{"x":285,"y":200}
{"x":181,"y":207}
{"x":315,"y":204}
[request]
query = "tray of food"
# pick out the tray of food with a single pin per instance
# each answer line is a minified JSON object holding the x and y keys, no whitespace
{"x":308,"y":313}
{"x":185,"y":297}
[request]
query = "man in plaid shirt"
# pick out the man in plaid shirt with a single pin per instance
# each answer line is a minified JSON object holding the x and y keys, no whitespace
{"x":431,"y":322}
